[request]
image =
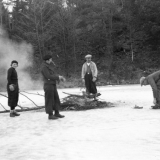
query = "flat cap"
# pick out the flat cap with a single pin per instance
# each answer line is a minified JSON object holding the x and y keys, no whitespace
{"x":47,"y":57}
{"x":88,"y":56}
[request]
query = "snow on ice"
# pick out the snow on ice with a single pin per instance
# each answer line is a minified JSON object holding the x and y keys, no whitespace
{"x":117,"y":133}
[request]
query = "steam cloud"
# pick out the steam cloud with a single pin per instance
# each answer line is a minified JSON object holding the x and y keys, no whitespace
{"x":23,"y":53}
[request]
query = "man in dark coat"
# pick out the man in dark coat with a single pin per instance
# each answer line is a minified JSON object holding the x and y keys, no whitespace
{"x":13,"y":88}
{"x":154,"y":81}
{"x":52,"y":101}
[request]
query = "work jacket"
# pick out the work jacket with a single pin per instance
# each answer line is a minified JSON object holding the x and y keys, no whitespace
{"x":12,"y":76}
{"x":48,"y":74}
{"x":93,"y":69}
{"x":152,"y":80}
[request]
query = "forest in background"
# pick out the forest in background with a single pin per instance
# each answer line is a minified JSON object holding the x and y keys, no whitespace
{"x":122,"y":35}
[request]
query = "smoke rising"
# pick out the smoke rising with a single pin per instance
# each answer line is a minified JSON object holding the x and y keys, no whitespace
{"x":23,"y":53}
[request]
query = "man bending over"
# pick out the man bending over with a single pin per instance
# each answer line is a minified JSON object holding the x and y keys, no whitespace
{"x":154,"y":81}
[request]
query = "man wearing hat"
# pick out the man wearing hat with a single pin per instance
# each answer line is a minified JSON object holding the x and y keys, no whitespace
{"x":13,"y":88}
{"x":154,"y":81}
{"x":52,"y":101}
{"x":89,"y":75}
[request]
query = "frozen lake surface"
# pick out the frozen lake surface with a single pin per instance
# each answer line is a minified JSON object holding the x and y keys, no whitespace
{"x":117,"y":133}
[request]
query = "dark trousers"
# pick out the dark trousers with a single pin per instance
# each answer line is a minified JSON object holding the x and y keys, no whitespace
{"x":90,"y":85}
{"x":52,"y":101}
{"x":158,"y":92}
{"x":13,"y":96}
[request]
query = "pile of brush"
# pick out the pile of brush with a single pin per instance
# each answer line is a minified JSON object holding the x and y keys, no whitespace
{"x":71,"y":102}
{"x":83,"y":102}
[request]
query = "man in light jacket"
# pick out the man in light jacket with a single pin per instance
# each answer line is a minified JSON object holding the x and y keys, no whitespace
{"x":154,"y":81}
{"x":89,"y":75}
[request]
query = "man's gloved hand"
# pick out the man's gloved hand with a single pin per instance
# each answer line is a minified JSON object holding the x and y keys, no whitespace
{"x":61,"y":78}
{"x":11,"y":87}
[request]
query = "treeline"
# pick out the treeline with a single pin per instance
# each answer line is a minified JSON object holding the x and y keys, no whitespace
{"x":122,"y":35}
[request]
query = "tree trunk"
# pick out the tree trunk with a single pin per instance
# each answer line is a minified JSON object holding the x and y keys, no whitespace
{"x":42,"y":30}
{"x":37,"y":33}
{"x":1,"y":13}
{"x":64,"y":46}
{"x":109,"y":41}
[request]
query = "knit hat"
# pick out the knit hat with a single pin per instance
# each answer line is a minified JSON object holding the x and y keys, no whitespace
{"x":88,"y":56}
{"x":47,"y":57}
{"x":14,"y":61}
{"x":142,"y":80}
